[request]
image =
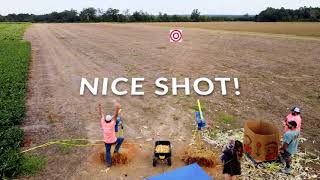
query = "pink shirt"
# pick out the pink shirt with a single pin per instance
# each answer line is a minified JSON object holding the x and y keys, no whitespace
{"x":109,"y":134}
{"x":296,"y":118}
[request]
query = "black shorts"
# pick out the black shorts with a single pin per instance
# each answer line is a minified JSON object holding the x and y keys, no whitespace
{"x":232,"y":168}
{"x":286,"y":156}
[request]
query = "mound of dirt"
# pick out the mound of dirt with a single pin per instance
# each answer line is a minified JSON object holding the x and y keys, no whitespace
{"x":123,"y":157}
{"x":204,"y":157}
{"x":120,"y":158}
{"x":117,"y":158}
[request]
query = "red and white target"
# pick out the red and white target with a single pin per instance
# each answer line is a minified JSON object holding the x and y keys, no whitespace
{"x":176,"y":35}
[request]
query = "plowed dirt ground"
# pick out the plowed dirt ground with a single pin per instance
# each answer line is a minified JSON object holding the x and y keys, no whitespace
{"x":275,"y":73}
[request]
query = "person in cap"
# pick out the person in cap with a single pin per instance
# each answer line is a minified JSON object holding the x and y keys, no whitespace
{"x":290,"y":146}
{"x":293,"y":116}
{"x":109,"y":135}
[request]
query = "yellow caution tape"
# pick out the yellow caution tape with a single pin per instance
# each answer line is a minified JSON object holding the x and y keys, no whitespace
{"x":69,"y":143}
{"x":64,"y":142}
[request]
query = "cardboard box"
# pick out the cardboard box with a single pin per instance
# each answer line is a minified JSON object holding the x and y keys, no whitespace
{"x":261,"y":140}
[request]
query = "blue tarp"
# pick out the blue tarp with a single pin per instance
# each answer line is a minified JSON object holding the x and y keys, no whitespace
{"x":192,"y":171}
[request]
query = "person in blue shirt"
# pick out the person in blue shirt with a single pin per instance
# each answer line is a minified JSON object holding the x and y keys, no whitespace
{"x":290,"y":145}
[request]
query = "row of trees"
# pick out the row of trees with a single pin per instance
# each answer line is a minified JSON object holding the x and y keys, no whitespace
{"x":114,"y":15}
{"x":282,"y":14}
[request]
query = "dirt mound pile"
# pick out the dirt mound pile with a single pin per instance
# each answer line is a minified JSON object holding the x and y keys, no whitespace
{"x":120,"y":158}
{"x":203,"y":157}
{"x":125,"y":155}
{"x":117,"y":158}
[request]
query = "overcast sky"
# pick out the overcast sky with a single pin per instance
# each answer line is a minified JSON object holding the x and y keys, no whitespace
{"x":221,"y":7}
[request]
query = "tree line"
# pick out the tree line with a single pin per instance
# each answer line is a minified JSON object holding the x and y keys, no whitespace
{"x":287,"y":15}
{"x":113,"y":15}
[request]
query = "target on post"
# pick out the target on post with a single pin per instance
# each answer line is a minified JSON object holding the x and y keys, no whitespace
{"x":176,"y":35}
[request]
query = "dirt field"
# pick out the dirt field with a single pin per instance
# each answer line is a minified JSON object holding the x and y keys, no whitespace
{"x":275,"y":73}
{"x":287,"y":28}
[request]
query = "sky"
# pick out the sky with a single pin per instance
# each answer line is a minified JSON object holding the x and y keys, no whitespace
{"x":214,"y":7}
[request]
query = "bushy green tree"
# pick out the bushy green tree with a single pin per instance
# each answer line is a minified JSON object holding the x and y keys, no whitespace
{"x":88,"y":15}
{"x":69,"y":16}
{"x":140,"y":16}
{"x":111,"y":15}
{"x":195,"y":15}
{"x":282,"y":14}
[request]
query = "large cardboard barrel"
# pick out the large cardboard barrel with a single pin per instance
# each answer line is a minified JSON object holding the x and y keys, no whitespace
{"x":261,"y":140}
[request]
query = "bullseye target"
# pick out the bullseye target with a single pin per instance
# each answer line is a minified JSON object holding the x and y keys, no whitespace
{"x":176,"y":35}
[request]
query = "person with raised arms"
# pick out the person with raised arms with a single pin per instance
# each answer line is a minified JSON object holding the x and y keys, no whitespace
{"x":108,"y":123}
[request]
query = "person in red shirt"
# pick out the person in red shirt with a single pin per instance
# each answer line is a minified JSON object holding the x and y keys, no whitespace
{"x":293,"y":116}
{"x":108,"y":123}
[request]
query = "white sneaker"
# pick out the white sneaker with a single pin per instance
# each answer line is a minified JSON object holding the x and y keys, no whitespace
{"x":107,"y":170}
{"x":286,"y":170}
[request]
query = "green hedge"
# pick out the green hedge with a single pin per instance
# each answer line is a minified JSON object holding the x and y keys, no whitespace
{"x":10,"y":163}
{"x":14,"y":65}
{"x":10,"y":138}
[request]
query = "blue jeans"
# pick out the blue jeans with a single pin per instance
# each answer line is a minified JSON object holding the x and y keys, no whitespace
{"x":108,"y":148}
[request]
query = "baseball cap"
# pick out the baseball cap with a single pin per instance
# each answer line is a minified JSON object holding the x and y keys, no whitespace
{"x":295,"y":109}
{"x":108,"y":117}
